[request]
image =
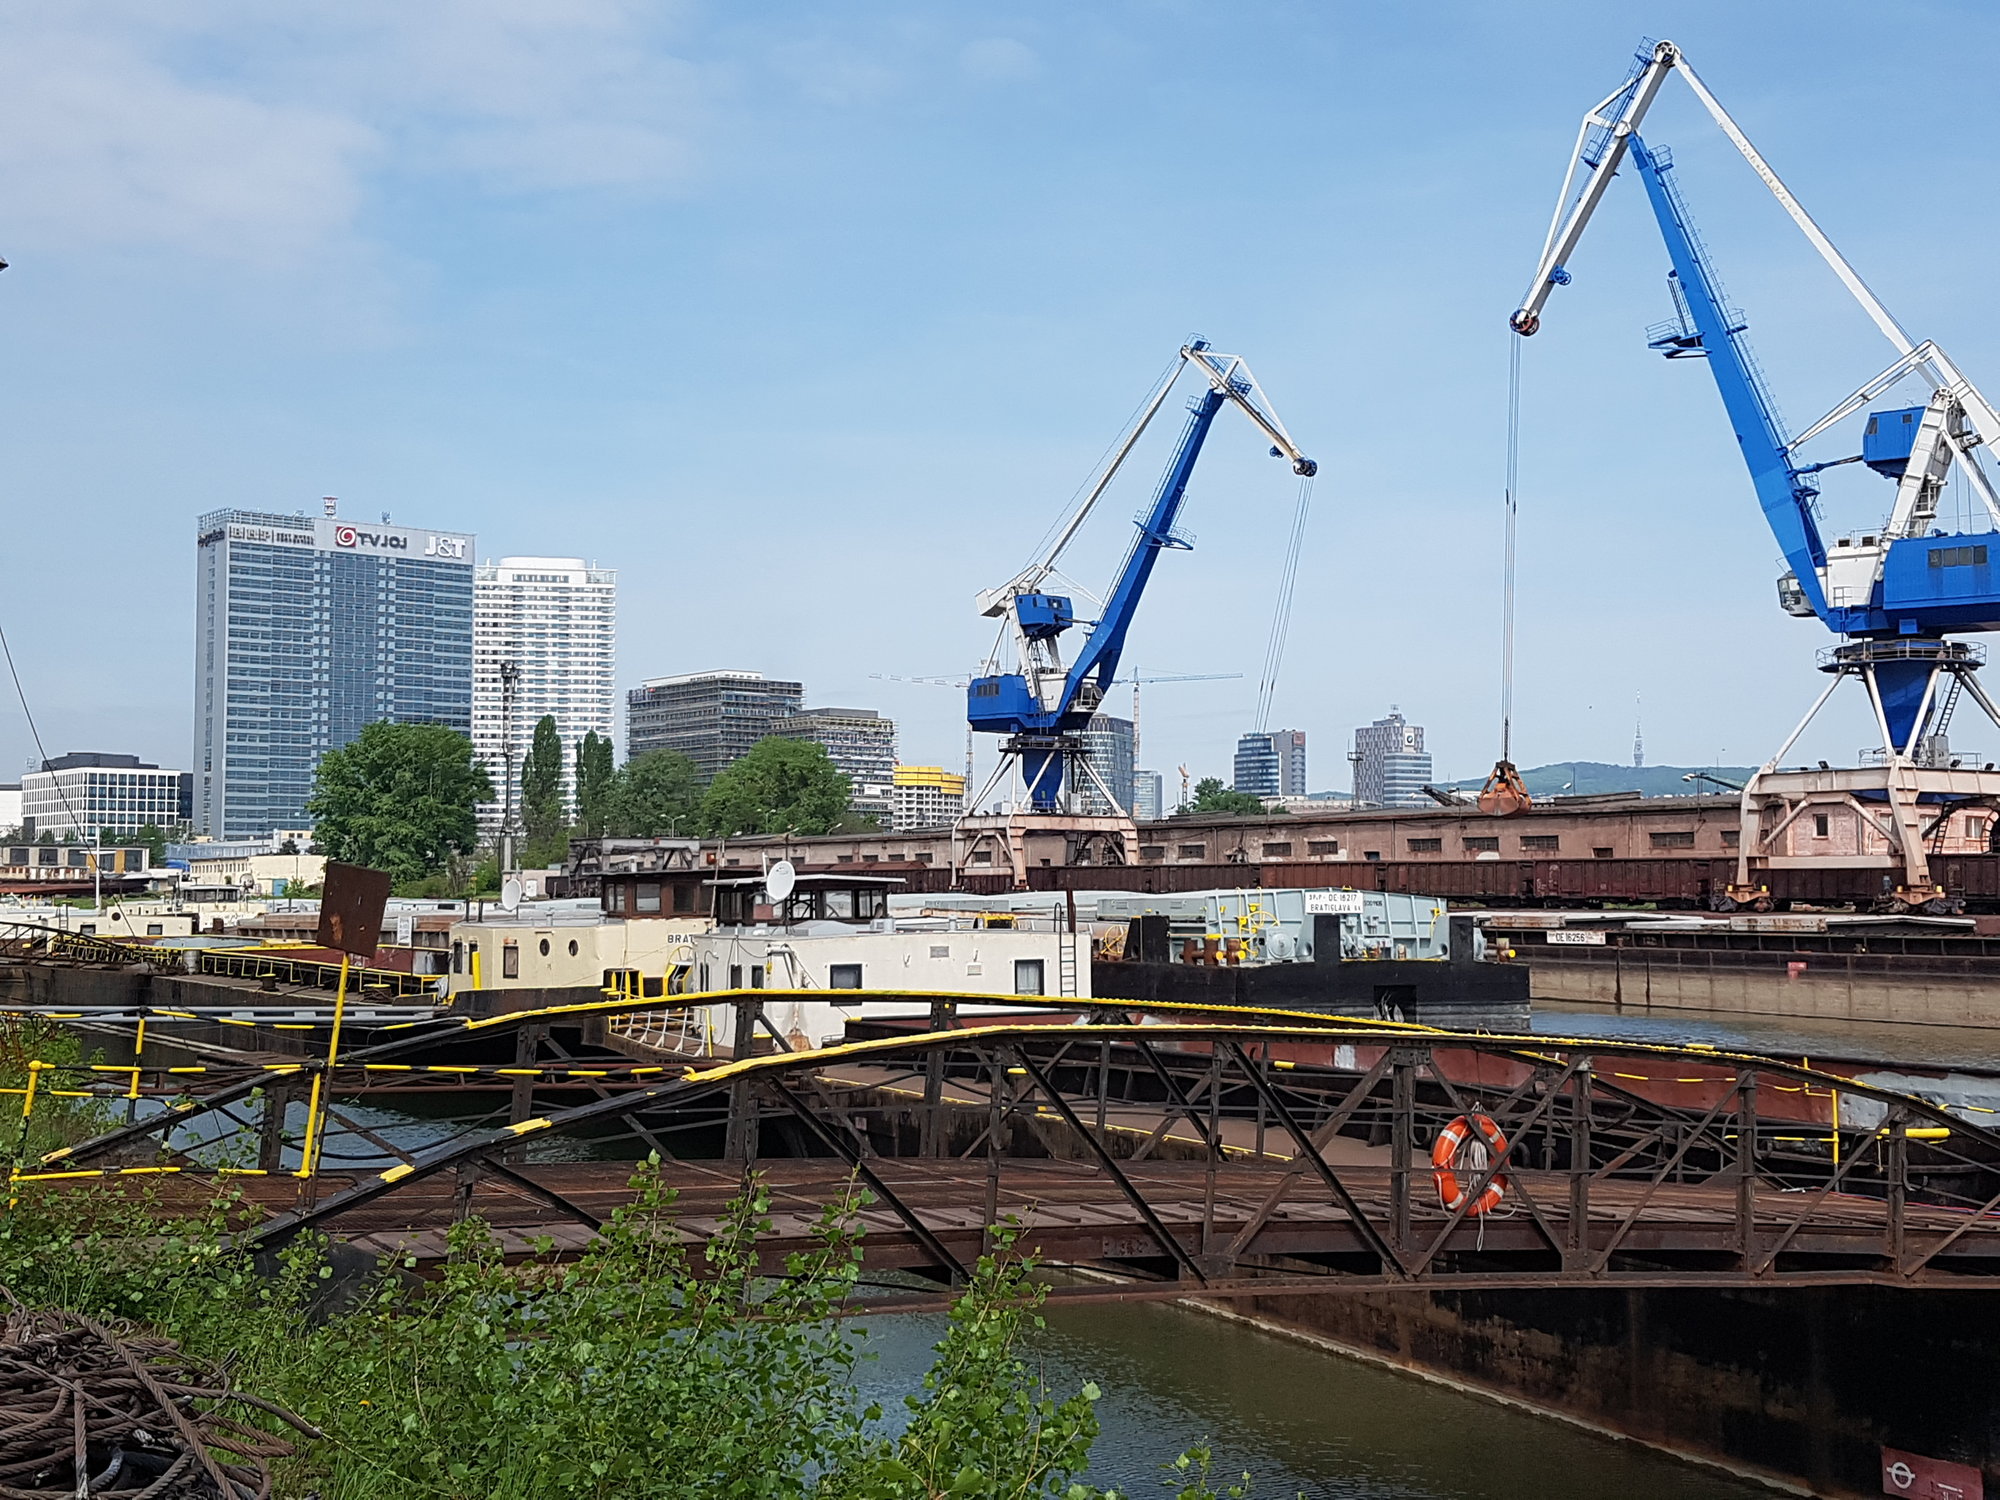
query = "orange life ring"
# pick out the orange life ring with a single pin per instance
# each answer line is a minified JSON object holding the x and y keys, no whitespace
{"x":1445,"y":1151}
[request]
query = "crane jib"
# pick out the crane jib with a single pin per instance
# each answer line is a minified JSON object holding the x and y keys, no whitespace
{"x":1042,"y":706}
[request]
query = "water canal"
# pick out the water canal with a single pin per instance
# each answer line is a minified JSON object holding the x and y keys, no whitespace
{"x":1300,"y":1419}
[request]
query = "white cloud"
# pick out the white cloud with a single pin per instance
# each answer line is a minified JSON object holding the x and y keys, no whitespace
{"x":1000,"y":59}
{"x":244,"y":131}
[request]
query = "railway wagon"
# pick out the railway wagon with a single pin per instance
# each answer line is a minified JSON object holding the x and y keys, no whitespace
{"x":1675,"y":883}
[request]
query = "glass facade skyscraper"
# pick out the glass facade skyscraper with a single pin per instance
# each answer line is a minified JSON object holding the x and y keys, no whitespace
{"x":307,"y":629}
{"x":1271,"y":763}
{"x":1107,"y":745}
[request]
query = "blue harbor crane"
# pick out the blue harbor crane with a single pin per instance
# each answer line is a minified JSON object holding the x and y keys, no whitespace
{"x":1894,"y":593}
{"x":1042,"y":704}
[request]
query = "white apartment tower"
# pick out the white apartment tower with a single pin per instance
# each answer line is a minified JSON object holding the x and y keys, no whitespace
{"x":555,"y":619}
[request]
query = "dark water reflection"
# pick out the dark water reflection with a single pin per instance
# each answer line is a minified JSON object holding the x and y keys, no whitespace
{"x":1969,"y":1047}
{"x":1301,"y":1420}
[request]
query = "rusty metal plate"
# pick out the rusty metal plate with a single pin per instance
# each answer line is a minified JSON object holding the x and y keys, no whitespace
{"x":350,"y":910}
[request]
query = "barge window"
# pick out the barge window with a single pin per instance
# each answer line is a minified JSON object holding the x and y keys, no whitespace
{"x":1958,"y":557}
{"x":1541,"y":841}
{"x":1427,"y":846}
{"x":1483,"y":845}
{"x":683,"y":897}
{"x":1819,"y":825}
{"x":1028,"y":976}
{"x":1274,"y":851}
{"x":649,"y":896}
{"x":1187,"y":851}
{"x":1731,"y":837}
{"x":1600,"y":853}
{"x":1673,"y":840}
{"x":1152,"y":851}
{"x":1323,"y":846}
{"x":843,"y":976}
{"x":510,"y":961}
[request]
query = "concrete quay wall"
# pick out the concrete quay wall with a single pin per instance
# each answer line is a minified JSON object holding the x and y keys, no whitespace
{"x":1828,"y":987}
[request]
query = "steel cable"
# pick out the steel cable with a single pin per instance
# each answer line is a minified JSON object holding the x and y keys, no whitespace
{"x":1281,"y":613}
{"x":88,"y":1410}
{"x":1514,"y":343}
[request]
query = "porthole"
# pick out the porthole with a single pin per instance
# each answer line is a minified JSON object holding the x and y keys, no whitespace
{"x":545,"y":947}
{"x":572,"y":947}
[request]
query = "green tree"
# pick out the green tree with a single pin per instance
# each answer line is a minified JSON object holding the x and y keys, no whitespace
{"x":654,"y":794}
{"x":596,"y":775}
{"x":1211,"y":796}
{"x":152,"y":838}
{"x":400,"y":798}
{"x":542,"y":811}
{"x":779,"y":785}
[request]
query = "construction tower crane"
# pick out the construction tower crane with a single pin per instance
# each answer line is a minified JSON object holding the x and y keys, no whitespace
{"x":1893,"y":592}
{"x":1042,"y":704}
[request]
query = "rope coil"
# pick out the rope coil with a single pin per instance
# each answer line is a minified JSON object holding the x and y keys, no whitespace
{"x":89,"y":1411}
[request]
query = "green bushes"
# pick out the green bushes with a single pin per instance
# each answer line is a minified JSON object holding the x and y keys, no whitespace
{"x":640,"y":1369}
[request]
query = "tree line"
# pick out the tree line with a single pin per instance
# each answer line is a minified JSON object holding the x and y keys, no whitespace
{"x":404,"y":798}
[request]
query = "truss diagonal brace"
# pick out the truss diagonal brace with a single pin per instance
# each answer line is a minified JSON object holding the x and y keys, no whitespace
{"x":1180,"y":1101}
{"x":1154,"y":1226}
{"x":535,"y":1189}
{"x":845,"y":1151}
{"x":1356,"y":1215}
{"x":1494,"y":1167}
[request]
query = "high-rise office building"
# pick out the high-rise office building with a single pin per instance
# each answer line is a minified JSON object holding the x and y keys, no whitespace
{"x":306,"y":629}
{"x":710,"y":717}
{"x":1271,"y":763}
{"x":85,"y":793}
{"x":556,"y":620}
{"x":1107,"y":746}
{"x":1148,"y":796}
{"x":1391,"y":766}
{"x":1256,"y":766}
{"x":927,"y":797}
{"x":862,"y":746}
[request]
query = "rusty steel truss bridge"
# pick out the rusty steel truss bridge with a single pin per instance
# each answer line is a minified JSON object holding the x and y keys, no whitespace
{"x":1165,"y":1152}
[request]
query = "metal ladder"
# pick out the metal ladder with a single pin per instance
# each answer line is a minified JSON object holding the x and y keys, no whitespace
{"x":1066,"y":964}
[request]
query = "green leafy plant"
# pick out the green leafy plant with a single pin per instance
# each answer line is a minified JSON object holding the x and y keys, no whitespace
{"x":778,"y":786}
{"x":400,"y":798}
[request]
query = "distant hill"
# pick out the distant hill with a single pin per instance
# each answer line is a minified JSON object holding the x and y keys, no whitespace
{"x":1592,"y":777}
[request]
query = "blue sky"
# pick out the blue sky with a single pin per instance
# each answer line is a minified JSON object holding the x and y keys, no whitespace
{"x":810,"y":318}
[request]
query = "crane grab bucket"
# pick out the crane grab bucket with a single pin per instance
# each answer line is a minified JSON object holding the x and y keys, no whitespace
{"x":1504,"y":794}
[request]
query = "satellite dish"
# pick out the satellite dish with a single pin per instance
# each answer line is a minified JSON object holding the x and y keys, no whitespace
{"x":510,"y":893}
{"x":780,"y":880}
